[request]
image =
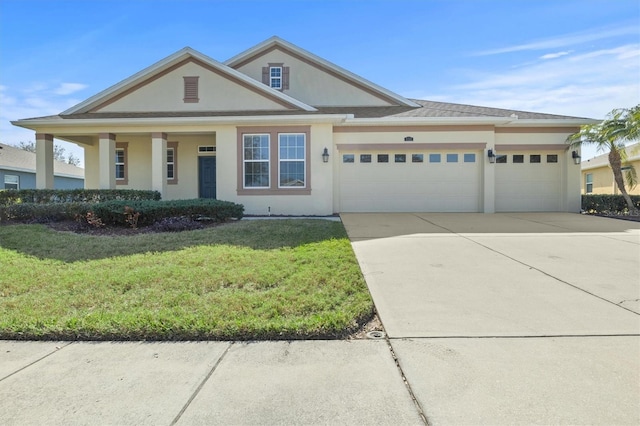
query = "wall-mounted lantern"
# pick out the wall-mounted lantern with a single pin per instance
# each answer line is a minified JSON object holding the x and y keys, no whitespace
{"x":576,"y":157}
{"x":408,"y":139}
{"x":492,"y":156}
{"x":325,"y":155}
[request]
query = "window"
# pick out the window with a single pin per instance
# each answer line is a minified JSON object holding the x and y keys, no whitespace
{"x":172,"y":163}
{"x":348,"y":158}
{"x":434,"y":158}
{"x":518,"y":159}
{"x":469,"y":158}
{"x":11,"y":182}
{"x":417,"y":158}
{"x":122,"y":173}
{"x":365,"y":158}
{"x":588,"y":183}
{"x":400,"y":158}
{"x":292,"y":160}
{"x":208,"y":148}
{"x":501,"y":159}
{"x":552,"y":158}
{"x":256,"y":161}
{"x":452,"y":158}
{"x":383,"y":158}
{"x":275,"y":77}
{"x":191,"y":89}
{"x":534,"y":158}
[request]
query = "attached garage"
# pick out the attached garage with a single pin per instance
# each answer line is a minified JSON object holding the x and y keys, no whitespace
{"x":529,"y":181}
{"x":417,"y":180}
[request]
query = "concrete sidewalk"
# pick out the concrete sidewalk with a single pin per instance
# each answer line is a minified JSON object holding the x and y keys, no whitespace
{"x":202,"y":383}
{"x":509,"y":318}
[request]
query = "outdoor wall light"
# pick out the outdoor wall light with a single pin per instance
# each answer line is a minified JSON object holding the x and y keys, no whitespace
{"x":576,"y":157}
{"x":492,"y":156}
{"x":408,"y":139}
{"x":325,"y":155}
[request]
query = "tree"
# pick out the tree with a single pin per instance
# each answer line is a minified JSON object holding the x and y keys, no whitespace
{"x":620,"y":126}
{"x":58,"y":152}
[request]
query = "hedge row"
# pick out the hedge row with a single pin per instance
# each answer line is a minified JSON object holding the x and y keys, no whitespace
{"x":608,"y":204}
{"x":140,"y":213}
{"x":48,"y":196}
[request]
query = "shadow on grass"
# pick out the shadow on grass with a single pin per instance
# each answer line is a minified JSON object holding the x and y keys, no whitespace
{"x":42,"y":242}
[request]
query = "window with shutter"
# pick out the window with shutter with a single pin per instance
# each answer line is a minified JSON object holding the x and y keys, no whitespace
{"x":276,"y":76}
{"x":191,"y":89}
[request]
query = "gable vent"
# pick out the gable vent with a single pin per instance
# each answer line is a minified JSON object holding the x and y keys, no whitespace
{"x":191,"y":89}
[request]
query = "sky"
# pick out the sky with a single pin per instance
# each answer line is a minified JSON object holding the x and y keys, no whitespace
{"x":568,"y":57}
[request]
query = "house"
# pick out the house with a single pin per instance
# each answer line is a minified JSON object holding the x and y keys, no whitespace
{"x":283,"y":131}
{"x":18,"y":171}
{"x":597,"y":177}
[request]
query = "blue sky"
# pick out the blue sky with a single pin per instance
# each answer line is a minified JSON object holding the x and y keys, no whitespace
{"x":568,"y":57}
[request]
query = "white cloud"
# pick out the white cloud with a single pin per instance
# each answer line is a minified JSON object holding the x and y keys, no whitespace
{"x":69,"y":88}
{"x":564,"y":40}
{"x":556,"y":55}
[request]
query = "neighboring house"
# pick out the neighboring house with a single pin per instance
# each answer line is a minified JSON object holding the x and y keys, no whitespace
{"x":18,"y":171}
{"x":597,"y":177}
{"x":283,"y":131}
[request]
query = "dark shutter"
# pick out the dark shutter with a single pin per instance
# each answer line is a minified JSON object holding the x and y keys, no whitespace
{"x":285,"y":78}
{"x":265,"y":75}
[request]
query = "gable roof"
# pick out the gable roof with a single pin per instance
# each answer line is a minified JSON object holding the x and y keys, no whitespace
{"x":602,"y":160}
{"x":275,"y":42}
{"x":19,"y":160}
{"x":173,"y":61}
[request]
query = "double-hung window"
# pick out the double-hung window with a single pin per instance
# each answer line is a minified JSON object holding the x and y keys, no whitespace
{"x":275,"y":77}
{"x":292,"y":160}
{"x":588,"y":183}
{"x":11,"y":182}
{"x":171,"y":163}
{"x":256,"y":160}
{"x":120,"y":164}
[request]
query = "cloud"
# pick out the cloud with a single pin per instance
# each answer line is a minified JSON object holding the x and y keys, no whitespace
{"x":69,"y":88}
{"x":556,"y":55}
{"x":564,"y":40}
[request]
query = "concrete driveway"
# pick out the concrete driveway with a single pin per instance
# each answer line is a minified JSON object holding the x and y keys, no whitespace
{"x":530,"y":318}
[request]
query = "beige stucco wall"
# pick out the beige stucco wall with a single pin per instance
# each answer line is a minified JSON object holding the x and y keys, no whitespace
{"x":603,"y":182}
{"x":312,"y":85}
{"x":216,"y":93}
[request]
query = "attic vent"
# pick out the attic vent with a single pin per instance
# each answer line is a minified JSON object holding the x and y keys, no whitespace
{"x":206,"y":149}
{"x":191,"y":89}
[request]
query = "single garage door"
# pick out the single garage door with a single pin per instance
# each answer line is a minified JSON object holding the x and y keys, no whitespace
{"x":445,"y":181}
{"x":528,"y":182}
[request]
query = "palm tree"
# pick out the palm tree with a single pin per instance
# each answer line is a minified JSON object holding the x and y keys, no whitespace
{"x":620,"y":126}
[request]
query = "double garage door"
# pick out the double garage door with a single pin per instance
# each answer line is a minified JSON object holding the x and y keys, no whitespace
{"x":387,"y":181}
{"x":448,"y":181}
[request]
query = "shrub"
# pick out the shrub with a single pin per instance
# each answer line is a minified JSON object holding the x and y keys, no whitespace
{"x":43,"y":213}
{"x":176,"y":224}
{"x":607,"y":204}
{"x":48,"y":196}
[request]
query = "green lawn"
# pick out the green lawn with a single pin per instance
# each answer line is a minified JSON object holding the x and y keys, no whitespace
{"x":265,"y":279}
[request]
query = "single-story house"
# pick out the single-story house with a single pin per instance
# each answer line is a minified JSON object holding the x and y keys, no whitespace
{"x":283,"y":131}
{"x":597,"y":177}
{"x":18,"y":171}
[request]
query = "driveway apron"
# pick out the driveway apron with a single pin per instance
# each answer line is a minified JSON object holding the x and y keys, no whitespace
{"x":520,"y":318}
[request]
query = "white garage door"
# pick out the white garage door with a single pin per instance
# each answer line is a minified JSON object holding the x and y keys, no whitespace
{"x":446,"y":181}
{"x":528,"y":182}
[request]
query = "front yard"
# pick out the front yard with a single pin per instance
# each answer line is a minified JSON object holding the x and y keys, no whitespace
{"x":262,"y":279}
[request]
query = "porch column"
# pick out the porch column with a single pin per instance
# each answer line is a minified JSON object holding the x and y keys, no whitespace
{"x":489,"y":182}
{"x":159,"y":162}
{"x":107,"y":160}
{"x":44,"y":161}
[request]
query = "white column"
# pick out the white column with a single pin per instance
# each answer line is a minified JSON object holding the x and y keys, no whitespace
{"x":489,"y":182}
{"x":159,"y":162}
{"x":107,"y":160}
{"x":44,"y":161}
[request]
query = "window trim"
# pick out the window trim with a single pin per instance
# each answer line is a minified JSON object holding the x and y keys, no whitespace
{"x":267,"y":161}
{"x":174,"y":147}
{"x":278,"y":78}
{"x":124,"y":147}
{"x":274,"y":168}
{"x":17,"y":183}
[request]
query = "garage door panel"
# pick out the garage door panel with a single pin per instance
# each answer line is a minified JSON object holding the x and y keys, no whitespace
{"x":410,"y":187}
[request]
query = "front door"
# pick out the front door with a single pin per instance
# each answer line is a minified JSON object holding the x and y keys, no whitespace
{"x":207,"y":177}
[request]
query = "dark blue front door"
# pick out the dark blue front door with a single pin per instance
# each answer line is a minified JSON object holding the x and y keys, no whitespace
{"x":207,"y":177}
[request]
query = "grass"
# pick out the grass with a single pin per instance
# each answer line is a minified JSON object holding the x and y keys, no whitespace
{"x":278,"y":279}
